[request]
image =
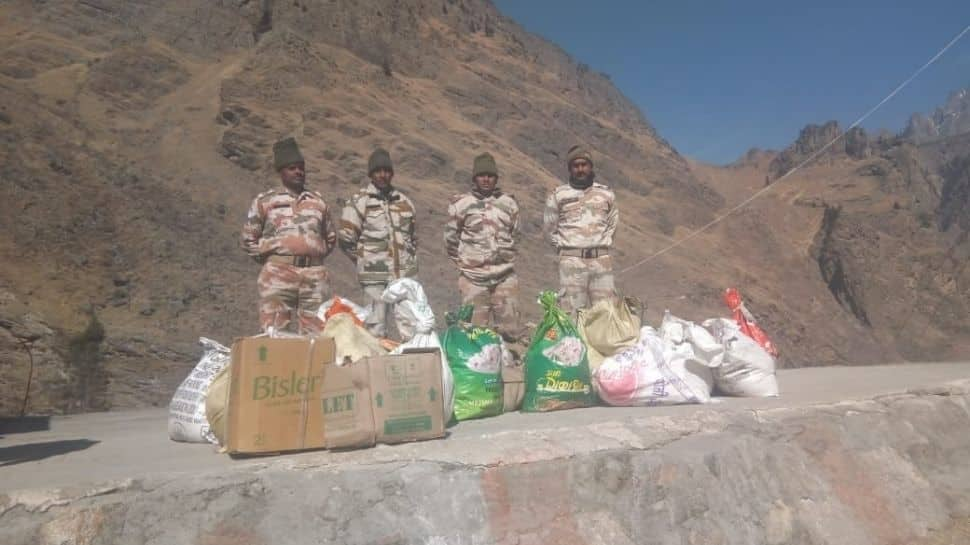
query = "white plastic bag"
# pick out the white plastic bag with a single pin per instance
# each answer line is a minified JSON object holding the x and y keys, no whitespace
{"x":641,"y":375}
{"x":706,"y":350}
{"x":415,"y":323}
{"x":747,"y":369}
{"x":691,"y":351}
{"x":412,"y":312}
{"x":360,"y":312}
{"x":186,"y":412}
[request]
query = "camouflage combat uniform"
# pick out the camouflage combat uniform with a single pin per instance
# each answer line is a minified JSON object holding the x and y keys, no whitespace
{"x":480,"y":239}
{"x":290,"y":235}
{"x":377,"y":232}
{"x":580,"y":223}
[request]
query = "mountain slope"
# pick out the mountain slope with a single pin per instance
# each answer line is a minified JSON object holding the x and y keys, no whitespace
{"x":133,"y":136}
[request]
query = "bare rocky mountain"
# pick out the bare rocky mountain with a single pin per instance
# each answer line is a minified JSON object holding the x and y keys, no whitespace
{"x":951,"y":119}
{"x":133,"y":135}
{"x":812,"y":142}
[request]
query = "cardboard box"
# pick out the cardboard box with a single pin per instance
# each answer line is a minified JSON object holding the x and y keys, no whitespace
{"x":287,"y":394}
{"x":346,"y":408}
{"x":406,"y":392}
{"x":273,"y":384}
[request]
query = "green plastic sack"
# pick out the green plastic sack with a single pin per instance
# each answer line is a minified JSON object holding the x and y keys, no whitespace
{"x":475,"y":357}
{"x":556,"y":366}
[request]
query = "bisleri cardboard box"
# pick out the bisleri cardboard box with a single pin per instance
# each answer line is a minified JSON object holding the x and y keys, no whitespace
{"x":287,"y":394}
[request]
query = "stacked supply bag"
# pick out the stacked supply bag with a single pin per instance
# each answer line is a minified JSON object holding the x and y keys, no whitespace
{"x":746,"y":322}
{"x":187,"y":410}
{"x":556,"y":366}
{"x":747,"y":369}
{"x":338,"y":305}
{"x":692,"y":353}
{"x":412,"y":312}
{"x":475,"y":356}
{"x":415,"y":322}
{"x":669,"y":367}
{"x":354,"y":342}
{"x":608,"y":327}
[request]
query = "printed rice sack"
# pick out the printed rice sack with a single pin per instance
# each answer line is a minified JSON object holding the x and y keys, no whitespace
{"x":556,"y":366}
{"x":475,"y":356}
{"x":640,"y":376}
{"x":216,"y":403}
{"x":186,"y":412}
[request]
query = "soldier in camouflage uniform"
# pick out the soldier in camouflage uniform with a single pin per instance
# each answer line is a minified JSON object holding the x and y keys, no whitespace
{"x":289,"y":231}
{"x":580,"y":219}
{"x":377,"y":232}
{"x":480,"y":239}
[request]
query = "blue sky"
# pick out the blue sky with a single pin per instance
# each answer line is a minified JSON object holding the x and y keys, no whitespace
{"x":716,"y":78}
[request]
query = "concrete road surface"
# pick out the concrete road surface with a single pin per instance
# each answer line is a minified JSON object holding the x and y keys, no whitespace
{"x":95,"y":448}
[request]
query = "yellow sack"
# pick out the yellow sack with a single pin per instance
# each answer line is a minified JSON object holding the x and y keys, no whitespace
{"x":609,"y":326}
{"x":216,"y":401}
{"x":353,"y":341}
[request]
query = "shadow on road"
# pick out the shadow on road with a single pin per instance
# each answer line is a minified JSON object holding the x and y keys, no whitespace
{"x":31,"y":452}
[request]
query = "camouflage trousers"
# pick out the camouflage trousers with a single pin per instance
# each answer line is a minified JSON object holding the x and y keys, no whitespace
{"x":378,"y":311}
{"x":496,"y":306}
{"x":584,"y":281}
{"x":285,"y":290}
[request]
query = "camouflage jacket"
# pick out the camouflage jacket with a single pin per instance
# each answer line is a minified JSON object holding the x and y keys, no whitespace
{"x":580,"y":218}
{"x":377,"y":233}
{"x":480,"y":235}
{"x":281,"y":223}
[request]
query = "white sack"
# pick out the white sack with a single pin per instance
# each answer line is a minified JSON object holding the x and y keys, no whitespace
{"x":747,"y":369}
{"x":412,"y":312}
{"x":642,"y":375}
{"x":186,"y":412}
{"x":691,"y":351}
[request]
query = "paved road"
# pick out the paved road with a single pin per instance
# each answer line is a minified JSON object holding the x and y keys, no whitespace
{"x":94,"y":448}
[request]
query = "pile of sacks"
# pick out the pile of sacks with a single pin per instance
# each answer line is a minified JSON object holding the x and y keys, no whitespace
{"x":607,"y":356}
{"x":683,"y":362}
{"x":197,"y":411}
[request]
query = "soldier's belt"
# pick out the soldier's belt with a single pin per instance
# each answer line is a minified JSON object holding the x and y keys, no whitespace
{"x":297,"y":260}
{"x":585,"y":253}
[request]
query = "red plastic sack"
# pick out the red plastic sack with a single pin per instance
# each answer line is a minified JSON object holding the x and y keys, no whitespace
{"x":339,"y":307}
{"x":732,"y":297}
